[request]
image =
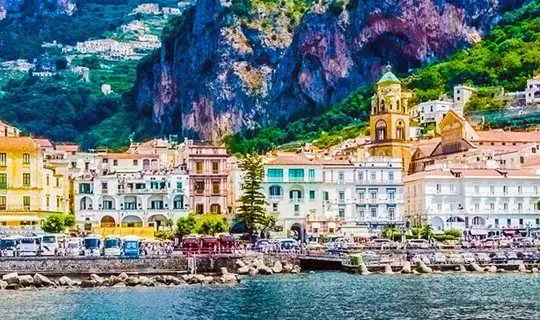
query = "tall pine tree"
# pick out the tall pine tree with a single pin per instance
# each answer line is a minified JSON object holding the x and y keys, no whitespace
{"x":252,"y":210}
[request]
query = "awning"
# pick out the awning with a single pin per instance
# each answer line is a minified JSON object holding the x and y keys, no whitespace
{"x":331,"y":225}
{"x":479,"y":232}
{"x":19,"y":218}
{"x":509,"y":232}
{"x":316,"y":225}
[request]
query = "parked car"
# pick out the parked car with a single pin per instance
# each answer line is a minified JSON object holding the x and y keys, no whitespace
{"x":418,"y":244}
{"x":438,"y":258}
{"x":525,"y":242}
{"x":511,"y":256}
{"x":468,"y":257}
{"x":482,"y":257}
{"x":455,"y":259}
{"x":381,"y":244}
{"x":498,"y":257}
{"x":420,"y":257}
{"x":529,"y":257}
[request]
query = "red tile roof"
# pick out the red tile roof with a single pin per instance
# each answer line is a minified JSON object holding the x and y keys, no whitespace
{"x":508,"y":136}
{"x":25,"y":144}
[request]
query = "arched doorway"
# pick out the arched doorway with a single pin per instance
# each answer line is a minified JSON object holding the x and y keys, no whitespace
{"x":178,"y":202}
{"x":437,"y":223}
{"x":107,"y":222}
{"x":297,"y":231}
{"x":159,"y":221}
{"x":132,"y":222}
{"x":86,"y":203}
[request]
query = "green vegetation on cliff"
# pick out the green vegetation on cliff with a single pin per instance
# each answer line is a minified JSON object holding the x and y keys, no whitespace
{"x":506,"y":58}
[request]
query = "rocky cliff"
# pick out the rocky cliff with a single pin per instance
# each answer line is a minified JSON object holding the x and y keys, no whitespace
{"x":15,"y":8}
{"x":221,"y":69}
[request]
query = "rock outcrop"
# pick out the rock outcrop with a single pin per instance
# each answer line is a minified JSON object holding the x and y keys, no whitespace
{"x":50,"y":8}
{"x":217,"y":73}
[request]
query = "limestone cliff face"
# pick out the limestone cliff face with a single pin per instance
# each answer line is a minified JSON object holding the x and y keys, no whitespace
{"x":15,"y":8}
{"x":217,"y":73}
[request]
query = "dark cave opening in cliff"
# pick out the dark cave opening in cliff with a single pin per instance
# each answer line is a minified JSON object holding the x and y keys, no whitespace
{"x":390,"y":48}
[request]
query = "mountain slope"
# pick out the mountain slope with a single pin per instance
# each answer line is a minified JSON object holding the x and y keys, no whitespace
{"x":507,"y":57}
{"x":226,"y":67}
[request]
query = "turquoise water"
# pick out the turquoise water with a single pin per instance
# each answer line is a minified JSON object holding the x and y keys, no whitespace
{"x":305,"y":296}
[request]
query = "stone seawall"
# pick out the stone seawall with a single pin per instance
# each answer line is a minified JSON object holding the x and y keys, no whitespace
{"x":110,"y":265}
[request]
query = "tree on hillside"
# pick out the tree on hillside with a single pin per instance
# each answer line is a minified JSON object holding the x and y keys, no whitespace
{"x":54,"y":224}
{"x":252,"y":211}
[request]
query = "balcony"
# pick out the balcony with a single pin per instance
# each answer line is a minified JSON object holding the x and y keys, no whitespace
{"x":296,"y":179}
{"x":274,"y":179}
{"x":378,"y":182}
{"x":142,"y":191}
{"x":297,"y":200}
{"x":276,"y":197}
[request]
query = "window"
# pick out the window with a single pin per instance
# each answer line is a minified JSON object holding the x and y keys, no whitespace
{"x":215,"y":167}
{"x":57,"y":182}
{"x":275,"y":191}
{"x":391,"y":195}
{"x":439,"y":207}
{"x":178,"y":202}
{"x":199,"y":187}
{"x":3,"y":205}
{"x":360,"y":176}
{"x":505,"y":189}
{"x":296,"y":209}
{"x":199,"y":167}
{"x":325,"y":196}
{"x":115,"y":162}
{"x":26,"y":179}
{"x":3,"y":180}
{"x":373,"y":212}
{"x":508,"y":222}
{"x":361,"y":195}
{"x":520,"y":190}
{"x":108,"y":205}
{"x":178,"y":185}
{"x":105,"y":160}
{"x":296,"y":174}
{"x":391,"y":213}
{"x":58,"y":203}
{"x":341,"y":212}
{"x":341,"y":176}
{"x":373,"y":195}
{"x":104,"y":187}
{"x":341,"y":196}
{"x":311,"y":174}
{"x":135,"y":162}
{"x":215,"y":187}
{"x":3,"y":159}
{"x":274,"y":207}
{"x":140,"y":186}
{"x":497,"y":222}
{"x":26,"y":158}
{"x":373,"y":176}
{"x":390,"y":176}
{"x":361,"y":212}
{"x":505,"y":206}
{"x":491,"y":207}
{"x":476,"y":190}
{"x":275,"y":174}
{"x":537,"y":220}
{"x":520,"y":221}
{"x":199,"y":208}
{"x":295,"y":195}
{"x":311,"y":194}
{"x":476,"y":207}
{"x":520,"y":207}
{"x":491,"y":189}
{"x":438,"y":188}
{"x":26,"y":202}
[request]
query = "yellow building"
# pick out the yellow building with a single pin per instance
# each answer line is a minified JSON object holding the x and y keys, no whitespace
{"x":389,"y":120}
{"x":29,"y":191}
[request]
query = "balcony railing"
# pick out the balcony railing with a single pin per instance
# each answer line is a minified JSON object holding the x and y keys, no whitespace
{"x":276,"y":197}
{"x":297,"y":200}
{"x":296,"y":179}
{"x":274,"y":179}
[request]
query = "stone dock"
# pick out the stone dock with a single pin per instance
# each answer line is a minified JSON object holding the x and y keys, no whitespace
{"x":105,"y":266}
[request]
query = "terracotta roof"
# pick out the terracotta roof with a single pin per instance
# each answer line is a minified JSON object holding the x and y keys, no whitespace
{"x":433,"y":173}
{"x":427,"y":146}
{"x":292,"y":159}
{"x":508,"y":136}
{"x":18,"y":144}
{"x":530,"y":162}
{"x":336,"y":162}
{"x":43,"y":142}
{"x":67,"y":147}
{"x":120,"y":156}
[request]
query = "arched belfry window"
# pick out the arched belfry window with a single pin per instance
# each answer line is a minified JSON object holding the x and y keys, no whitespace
{"x":380,"y":130}
{"x":400,"y":130}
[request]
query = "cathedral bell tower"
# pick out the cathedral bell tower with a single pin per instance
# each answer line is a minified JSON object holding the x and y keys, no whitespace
{"x":389,"y":121}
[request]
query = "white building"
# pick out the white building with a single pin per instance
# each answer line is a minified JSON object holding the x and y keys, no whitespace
{"x":292,"y":184}
{"x":168,"y":11}
{"x":479,"y":202}
{"x":532,"y":91}
{"x":430,"y":111}
{"x":148,"y":8}
{"x":130,"y":190}
{"x":462,"y":95}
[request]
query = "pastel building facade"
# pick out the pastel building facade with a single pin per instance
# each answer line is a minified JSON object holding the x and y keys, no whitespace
{"x":479,"y":202}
